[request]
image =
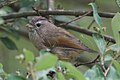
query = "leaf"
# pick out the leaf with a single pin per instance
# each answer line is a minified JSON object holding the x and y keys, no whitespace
{"x":114,"y":47}
{"x":1,"y":21}
{"x":118,"y":3}
{"x":96,"y":16}
{"x":10,"y":30}
{"x":73,"y":72}
{"x":112,"y":74}
{"x":8,"y":43}
{"x":29,"y":56}
{"x":46,"y":61}
{"x":7,"y":9}
{"x":117,"y":66}
{"x":108,"y":58}
{"x":1,"y":66}
{"x":60,"y":76}
{"x":101,"y":44}
{"x":3,"y":12}
{"x":14,"y":33}
{"x":116,"y":27}
{"x":96,"y":73}
{"x":1,"y":69}
{"x":65,"y":19}
{"x":14,"y":77}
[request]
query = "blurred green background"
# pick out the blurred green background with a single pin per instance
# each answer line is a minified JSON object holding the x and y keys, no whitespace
{"x":7,"y":57}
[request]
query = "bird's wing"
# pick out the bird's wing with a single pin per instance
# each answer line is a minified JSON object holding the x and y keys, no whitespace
{"x":64,"y":38}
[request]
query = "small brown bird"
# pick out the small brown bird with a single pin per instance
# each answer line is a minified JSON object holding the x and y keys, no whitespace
{"x":46,"y":35}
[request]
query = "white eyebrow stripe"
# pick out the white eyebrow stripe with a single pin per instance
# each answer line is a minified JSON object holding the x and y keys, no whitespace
{"x":39,"y":22}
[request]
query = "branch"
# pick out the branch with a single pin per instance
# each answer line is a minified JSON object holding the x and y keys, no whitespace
{"x":86,"y":31}
{"x":50,"y":5}
{"x":55,"y":12}
{"x":50,"y":8}
{"x":7,"y":3}
{"x":110,"y":64}
{"x":66,"y":23}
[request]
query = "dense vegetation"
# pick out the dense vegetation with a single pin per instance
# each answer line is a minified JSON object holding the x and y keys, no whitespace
{"x":20,"y":60}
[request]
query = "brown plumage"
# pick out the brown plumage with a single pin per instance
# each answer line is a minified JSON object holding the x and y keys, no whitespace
{"x":46,"y":35}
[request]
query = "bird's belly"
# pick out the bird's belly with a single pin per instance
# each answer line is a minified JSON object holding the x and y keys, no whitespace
{"x":64,"y":53}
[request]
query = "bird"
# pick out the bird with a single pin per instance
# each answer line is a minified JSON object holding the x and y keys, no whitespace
{"x":46,"y":35}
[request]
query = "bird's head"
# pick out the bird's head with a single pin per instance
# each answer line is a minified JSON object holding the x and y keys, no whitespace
{"x":36,"y":23}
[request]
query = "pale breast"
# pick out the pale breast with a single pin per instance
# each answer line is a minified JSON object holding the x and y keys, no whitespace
{"x":37,"y":40}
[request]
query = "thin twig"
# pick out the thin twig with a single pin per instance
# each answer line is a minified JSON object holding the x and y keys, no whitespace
{"x":91,"y":24}
{"x":36,"y":10}
{"x":107,"y":70}
{"x":7,"y":3}
{"x":66,"y":23}
{"x":50,"y":8}
{"x":102,"y":63}
{"x":91,"y":62}
{"x":93,"y":1}
{"x":31,"y":70}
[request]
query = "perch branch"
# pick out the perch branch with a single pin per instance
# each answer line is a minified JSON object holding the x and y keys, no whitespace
{"x":55,"y":12}
{"x":86,"y":31}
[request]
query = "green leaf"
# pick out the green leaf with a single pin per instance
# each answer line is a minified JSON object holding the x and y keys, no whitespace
{"x":10,"y":30}
{"x":8,"y":43}
{"x":118,"y":3}
{"x":7,"y":9}
{"x":116,"y":27}
{"x":101,"y":44}
{"x":73,"y":71}
{"x":60,"y":76}
{"x":3,"y":12}
{"x":95,"y":15}
{"x":117,"y":66}
{"x":21,"y":22}
{"x":1,"y":69}
{"x":15,"y":77}
{"x":108,"y":57}
{"x":29,"y":56}
{"x":26,"y":3}
{"x":1,"y":21}
{"x":114,"y":47}
{"x":112,"y":74}
{"x":1,"y":66}
{"x":96,"y":73}
{"x":14,"y":33}
{"x":46,"y":61}
{"x":65,"y":19}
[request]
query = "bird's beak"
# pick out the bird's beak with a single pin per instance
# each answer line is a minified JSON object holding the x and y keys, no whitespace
{"x":29,"y":26}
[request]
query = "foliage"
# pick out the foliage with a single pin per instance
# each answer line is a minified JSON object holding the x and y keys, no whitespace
{"x":47,"y":66}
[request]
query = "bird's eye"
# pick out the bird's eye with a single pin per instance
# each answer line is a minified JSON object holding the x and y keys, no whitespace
{"x":38,"y":24}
